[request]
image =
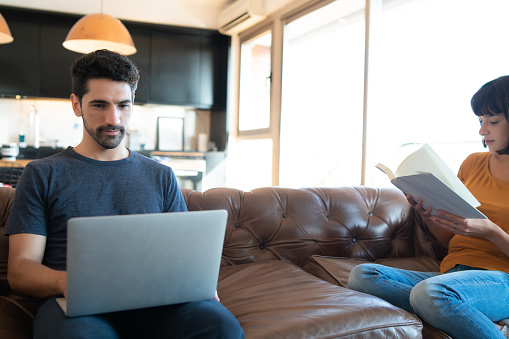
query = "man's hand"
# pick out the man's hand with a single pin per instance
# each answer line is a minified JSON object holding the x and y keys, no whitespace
{"x":217,"y":297}
{"x":62,"y":284}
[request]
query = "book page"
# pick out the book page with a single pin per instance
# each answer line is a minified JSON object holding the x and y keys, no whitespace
{"x":426,"y":160}
{"x":386,"y":170}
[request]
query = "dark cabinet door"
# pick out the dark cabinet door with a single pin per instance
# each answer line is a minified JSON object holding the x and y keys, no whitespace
{"x":175,"y":68}
{"x":214,"y":75}
{"x":55,"y":60}
{"x":19,"y":60}
{"x":206,"y":68}
{"x":141,"y":38}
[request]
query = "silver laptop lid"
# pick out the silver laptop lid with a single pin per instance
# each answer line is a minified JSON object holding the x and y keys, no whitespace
{"x":117,"y":263}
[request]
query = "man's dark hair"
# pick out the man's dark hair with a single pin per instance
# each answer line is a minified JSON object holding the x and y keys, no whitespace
{"x":103,"y":64}
{"x":493,"y":98}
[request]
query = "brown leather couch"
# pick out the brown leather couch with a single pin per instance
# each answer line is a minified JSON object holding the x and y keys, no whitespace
{"x":286,"y":260}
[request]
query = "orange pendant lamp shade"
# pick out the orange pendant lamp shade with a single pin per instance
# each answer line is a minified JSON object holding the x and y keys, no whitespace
{"x":5,"y":33}
{"x":99,"y":31}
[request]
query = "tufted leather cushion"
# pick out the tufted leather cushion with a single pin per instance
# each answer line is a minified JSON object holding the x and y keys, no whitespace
{"x":292,"y":224}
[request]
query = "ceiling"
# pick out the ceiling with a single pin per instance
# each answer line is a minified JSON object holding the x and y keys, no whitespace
{"x":188,"y":13}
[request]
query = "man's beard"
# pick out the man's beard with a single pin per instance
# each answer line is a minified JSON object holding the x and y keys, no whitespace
{"x":104,"y":140}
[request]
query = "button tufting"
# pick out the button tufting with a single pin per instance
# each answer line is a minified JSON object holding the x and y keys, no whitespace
{"x":370,"y":214}
{"x":237,"y":225}
{"x":262,"y":246}
{"x":393,"y":236}
{"x":285,"y":215}
{"x":329,"y":217}
{"x":354,"y":240}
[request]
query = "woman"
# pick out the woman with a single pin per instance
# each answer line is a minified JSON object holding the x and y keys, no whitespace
{"x":471,"y":291}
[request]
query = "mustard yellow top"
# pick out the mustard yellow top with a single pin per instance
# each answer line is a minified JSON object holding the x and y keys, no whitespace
{"x":493,"y":194}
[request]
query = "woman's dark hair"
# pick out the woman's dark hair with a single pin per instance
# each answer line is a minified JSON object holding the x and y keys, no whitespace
{"x":493,"y":98}
{"x":103,"y":64}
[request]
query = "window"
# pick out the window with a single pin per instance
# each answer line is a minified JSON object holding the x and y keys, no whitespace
{"x":322,"y":97}
{"x":428,"y":57}
{"x":255,"y":77}
{"x":344,"y":107}
{"x":252,"y":148}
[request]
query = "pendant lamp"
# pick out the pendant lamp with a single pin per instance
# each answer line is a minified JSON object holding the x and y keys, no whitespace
{"x":5,"y":33}
{"x":99,"y":31}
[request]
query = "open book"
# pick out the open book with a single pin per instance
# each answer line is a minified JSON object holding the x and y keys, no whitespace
{"x":424,"y":175}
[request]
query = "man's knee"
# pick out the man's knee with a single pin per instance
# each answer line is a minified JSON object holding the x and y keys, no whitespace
{"x":214,"y":320}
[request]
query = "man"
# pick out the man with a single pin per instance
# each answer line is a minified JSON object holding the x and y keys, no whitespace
{"x":98,"y":177}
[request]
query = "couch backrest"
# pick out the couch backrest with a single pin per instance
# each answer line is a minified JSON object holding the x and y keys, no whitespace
{"x":293,"y":224}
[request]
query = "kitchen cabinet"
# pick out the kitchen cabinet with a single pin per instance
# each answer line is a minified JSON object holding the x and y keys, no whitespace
{"x":19,"y":66}
{"x":186,"y":68}
{"x":178,"y":66}
{"x":141,"y":38}
{"x":175,"y":72}
{"x":55,"y":61}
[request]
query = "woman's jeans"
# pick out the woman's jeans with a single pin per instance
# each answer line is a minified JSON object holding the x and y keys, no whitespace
{"x":464,"y":302}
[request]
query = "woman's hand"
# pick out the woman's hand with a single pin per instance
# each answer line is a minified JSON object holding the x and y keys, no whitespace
{"x":424,"y":213}
{"x":474,"y":228}
{"x":441,"y":234}
{"x":467,"y":227}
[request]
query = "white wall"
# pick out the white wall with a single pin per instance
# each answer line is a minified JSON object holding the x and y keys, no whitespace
{"x":57,"y":121}
{"x":188,"y":13}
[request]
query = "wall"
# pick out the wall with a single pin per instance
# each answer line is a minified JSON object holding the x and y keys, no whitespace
{"x":57,"y":122}
{"x":187,"y":13}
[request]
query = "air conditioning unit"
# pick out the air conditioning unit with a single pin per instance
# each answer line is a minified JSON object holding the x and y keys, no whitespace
{"x":240,"y":15}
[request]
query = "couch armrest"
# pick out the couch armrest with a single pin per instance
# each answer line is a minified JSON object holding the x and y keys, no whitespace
{"x":6,"y":197}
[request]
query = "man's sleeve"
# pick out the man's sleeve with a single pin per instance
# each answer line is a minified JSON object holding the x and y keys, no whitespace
{"x":28,"y":212}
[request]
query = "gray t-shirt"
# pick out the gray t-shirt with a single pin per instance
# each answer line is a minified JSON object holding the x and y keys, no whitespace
{"x":54,"y":189}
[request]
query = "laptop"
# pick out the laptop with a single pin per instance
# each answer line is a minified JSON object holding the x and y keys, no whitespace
{"x":117,"y":263}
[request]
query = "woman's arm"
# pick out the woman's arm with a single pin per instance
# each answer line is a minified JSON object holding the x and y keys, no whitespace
{"x":484,"y":228}
{"x":25,"y":272}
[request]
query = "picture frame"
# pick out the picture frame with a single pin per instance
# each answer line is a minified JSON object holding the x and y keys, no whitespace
{"x":170,"y":134}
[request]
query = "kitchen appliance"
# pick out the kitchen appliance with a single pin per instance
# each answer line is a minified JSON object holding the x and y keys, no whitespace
{"x":10,"y":151}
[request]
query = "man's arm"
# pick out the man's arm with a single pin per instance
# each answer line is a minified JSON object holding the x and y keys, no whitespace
{"x":25,"y":272}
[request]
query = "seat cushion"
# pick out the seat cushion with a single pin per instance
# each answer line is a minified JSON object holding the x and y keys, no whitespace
{"x":16,"y":318}
{"x":337,"y":270}
{"x":276,"y":299}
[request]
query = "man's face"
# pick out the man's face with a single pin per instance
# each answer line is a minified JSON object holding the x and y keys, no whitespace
{"x":106,"y":110}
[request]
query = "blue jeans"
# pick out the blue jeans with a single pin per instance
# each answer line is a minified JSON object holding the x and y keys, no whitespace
{"x":464,"y":302}
{"x":201,"y":319}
